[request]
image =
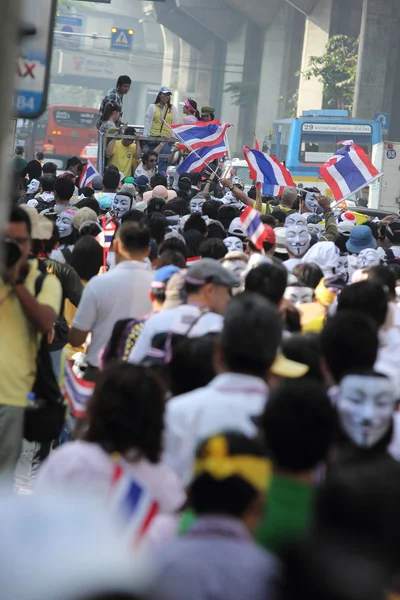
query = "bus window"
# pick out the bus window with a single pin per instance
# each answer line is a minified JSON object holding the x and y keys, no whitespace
{"x":75,"y":118}
{"x":319,"y":147}
{"x":280,"y":140}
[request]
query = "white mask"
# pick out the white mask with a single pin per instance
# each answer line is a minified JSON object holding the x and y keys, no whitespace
{"x":368,"y":258}
{"x":343,"y":267}
{"x":196,"y":204}
{"x":121,"y":204}
{"x":236,"y":266}
{"x":366,"y":405}
{"x":297,"y":294}
{"x":311,"y":202}
{"x":233,"y":243}
{"x":64,"y":223}
{"x":297,"y":239}
{"x":294,"y":219}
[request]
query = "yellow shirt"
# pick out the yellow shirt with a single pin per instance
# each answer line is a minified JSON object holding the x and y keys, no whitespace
{"x":124,"y":158}
{"x":158,"y":128}
{"x":19,"y":341}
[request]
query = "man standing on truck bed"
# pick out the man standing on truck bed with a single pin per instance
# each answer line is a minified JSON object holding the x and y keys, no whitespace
{"x":115,"y":95}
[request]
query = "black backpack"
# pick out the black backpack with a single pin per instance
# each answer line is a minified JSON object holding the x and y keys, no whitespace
{"x":43,"y":205}
{"x":44,"y":420}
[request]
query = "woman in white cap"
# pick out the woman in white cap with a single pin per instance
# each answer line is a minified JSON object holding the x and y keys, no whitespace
{"x":158,"y":116}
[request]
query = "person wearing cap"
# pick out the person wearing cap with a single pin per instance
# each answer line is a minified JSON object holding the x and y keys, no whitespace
{"x":125,"y":154}
{"x":115,"y":96}
{"x":360,"y":238}
{"x":392,"y":237}
{"x":217,"y":552}
{"x":158,"y":116}
{"x":247,"y":351}
{"x":207,"y":113}
{"x":207,"y":286}
{"x":25,"y":316}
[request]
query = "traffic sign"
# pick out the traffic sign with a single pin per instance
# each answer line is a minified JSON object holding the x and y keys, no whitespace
{"x":67,"y":25}
{"x":121,"y":39}
{"x":33,"y":65}
{"x":384,"y":120}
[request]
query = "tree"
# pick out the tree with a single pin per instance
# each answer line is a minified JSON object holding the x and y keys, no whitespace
{"x":336,"y":70}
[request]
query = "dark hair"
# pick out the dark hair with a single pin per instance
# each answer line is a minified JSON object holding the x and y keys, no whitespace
{"x":33,"y":169}
{"x":367,"y":297}
{"x":174,"y":244}
{"x":196,"y":221}
{"x":279,"y":215}
{"x":268,"y":220}
{"x":215,"y":230}
{"x":192,"y":364}
{"x":47,"y":182}
{"x":308,"y":274}
{"x":19,"y":150}
{"x":349,"y":341}
{"x":110,"y":108}
{"x":74,"y":161}
{"x":157,"y":225}
{"x":211,"y":207}
{"x":157,"y":100}
{"x":87,"y":257}
{"x":155,"y":205}
{"x":226,"y":214}
{"x":134,"y":236}
{"x":39,"y":155}
{"x":64,"y":188}
{"x":254,"y":352}
{"x":158,"y":179}
{"x":124,"y":80}
{"x":384,"y":276}
{"x":179,"y":206}
{"x":306,"y":349}
{"x":131,"y":131}
{"x":90,"y":203}
{"x":49,"y":167}
{"x":269,"y":280}
{"x":184,"y":182}
{"x":233,"y":495}
{"x":134,"y":215}
{"x":19,"y":215}
{"x":88,"y":192}
{"x":193,"y":239}
{"x":213,"y":248}
{"x":111,"y":179}
{"x":146,"y":156}
{"x":126,"y":412}
{"x":171,"y":257}
{"x":195,"y":110}
{"x":299,"y":424}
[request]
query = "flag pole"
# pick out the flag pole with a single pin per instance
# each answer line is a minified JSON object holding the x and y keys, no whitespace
{"x":191,"y":149}
{"x":103,"y":223}
{"x":357,"y":190}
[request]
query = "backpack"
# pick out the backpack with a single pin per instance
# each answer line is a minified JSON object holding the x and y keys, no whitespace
{"x":123,"y":339}
{"x":43,"y":421}
{"x":43,"y":205}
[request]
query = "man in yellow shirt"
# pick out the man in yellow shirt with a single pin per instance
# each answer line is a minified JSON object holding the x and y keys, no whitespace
{"x":125,"y":154}
{"x":24,"y":318}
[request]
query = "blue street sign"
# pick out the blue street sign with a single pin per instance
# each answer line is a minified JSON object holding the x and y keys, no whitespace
{"x":121,"y":39}
{"x":391,"y":154}
{"x":384,"y":120}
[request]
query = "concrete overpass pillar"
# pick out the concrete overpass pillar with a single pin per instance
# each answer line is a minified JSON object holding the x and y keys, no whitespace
{"x":233,"y":73}
{"x":315,"y":39}
{"x":378,"y":69}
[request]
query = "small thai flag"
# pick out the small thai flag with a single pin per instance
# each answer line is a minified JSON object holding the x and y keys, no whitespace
{"x":106,"y":237}
{"x":268,"y":171}
{"x":132,"y":504}
{"x":196,"y":161}
{"x":201,"y":134}
{"x":348,"y":171}
{"x":76,"y":391}
{"x":252,"y":223}
{"x":88,"y":174}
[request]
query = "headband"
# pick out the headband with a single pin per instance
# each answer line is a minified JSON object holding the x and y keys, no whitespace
{"x":188,"y":105}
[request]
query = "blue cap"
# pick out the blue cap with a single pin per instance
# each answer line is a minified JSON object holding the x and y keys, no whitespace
{"x":141,"y":181}
{"x":163,"y":275}
{"x":165,"y":90}
{"x":360,"y":239}
{"x":105,"y":202}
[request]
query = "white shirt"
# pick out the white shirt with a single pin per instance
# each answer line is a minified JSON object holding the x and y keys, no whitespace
{"x":228,"y":403}
{"x":122,"y":293}
{"x":142,"y":171}
{"x":292,"y":263}
{"x":395,"y":250}
{"x":177,"y":320}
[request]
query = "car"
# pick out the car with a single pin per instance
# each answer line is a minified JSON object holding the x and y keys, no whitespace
{"x":90,"y":153}
{"x":60,"y":160}
{"x":241,"y":169}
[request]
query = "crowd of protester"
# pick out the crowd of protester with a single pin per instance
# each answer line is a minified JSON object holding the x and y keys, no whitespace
{"x":231,"y":429}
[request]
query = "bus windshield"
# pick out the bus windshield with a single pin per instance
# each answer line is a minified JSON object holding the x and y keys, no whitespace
{"x":317,"y":148}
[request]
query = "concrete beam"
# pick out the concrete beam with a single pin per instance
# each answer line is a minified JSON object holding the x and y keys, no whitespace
{"x":184,"y":26}
{"x":261,"y":12}
{"x":304,"y":6}
{"x":216,"y":15}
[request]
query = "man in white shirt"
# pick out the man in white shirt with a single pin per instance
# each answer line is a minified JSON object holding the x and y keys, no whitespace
{"x":208,"y":288}
{"x":236,"y":397}
{"x":122,"y":293}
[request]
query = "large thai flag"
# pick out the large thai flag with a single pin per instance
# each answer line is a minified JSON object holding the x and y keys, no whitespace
{"x":132,"y":504}
{"x":201,"y":134}
{"x":254,"y":227}
{"x":196,"y":161}
{"x":267,"y":170}
{"x":348,"y":171}
{"x":88,"y":174}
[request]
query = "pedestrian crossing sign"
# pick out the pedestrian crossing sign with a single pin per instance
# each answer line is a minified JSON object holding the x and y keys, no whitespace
{"x":121,"y":39}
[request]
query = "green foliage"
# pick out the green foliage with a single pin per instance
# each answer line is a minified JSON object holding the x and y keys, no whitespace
{"x":241,"y":92}
{"x":336,"y":70}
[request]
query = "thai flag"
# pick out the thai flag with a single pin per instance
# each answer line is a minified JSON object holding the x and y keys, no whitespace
{"x":201,"y":134}
{"x":76,"y":390}
{"x":348,"y":171}
{"x":132,"y":504}
{"x":88,"y":174}
{"x":252,"y":223}
{"x":268,"y":171}
{"x":196,"y":161}
{"x":106,"y":237}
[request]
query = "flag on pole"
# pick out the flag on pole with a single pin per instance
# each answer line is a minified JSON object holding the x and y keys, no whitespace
{"x":196,"y":161}
{"x":88,"y":174}
{"x":105,"y":238}
{"x":348,"y":171}
{"x":200,"y":134}
{"x":254,"y":227}
{"x":269,"y":171}
{"x":132,"y":504}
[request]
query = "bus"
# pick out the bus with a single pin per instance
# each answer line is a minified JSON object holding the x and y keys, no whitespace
{"x":67,"y":129}
{"x":304,"y":144}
